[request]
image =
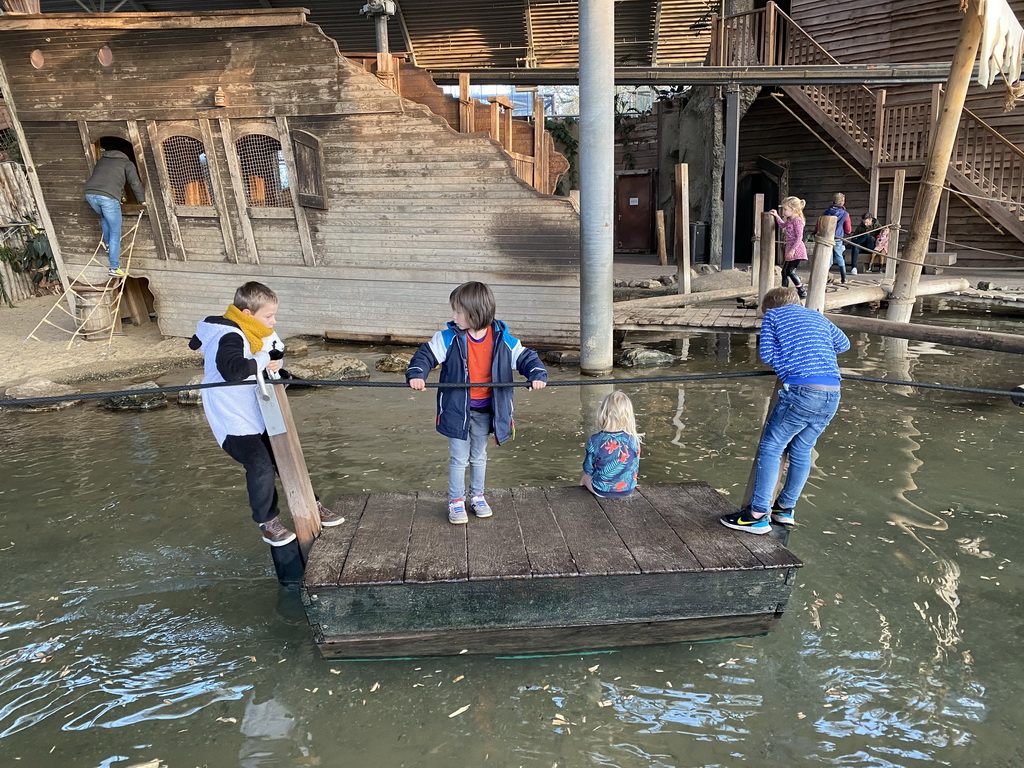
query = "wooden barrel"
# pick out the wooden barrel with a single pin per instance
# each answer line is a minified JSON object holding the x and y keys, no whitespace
{"x":94,"y":311}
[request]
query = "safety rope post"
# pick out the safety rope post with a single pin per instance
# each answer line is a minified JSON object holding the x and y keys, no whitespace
{"x":821,"y":260}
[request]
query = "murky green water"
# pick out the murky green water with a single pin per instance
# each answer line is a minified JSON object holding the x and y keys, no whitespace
{"x":140,"y":619}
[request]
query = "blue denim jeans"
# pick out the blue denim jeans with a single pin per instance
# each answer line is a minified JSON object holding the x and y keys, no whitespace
{"x":798,"y":418}
{"x":470,"y":453}
{"x":109,"y":211}
{"x":837,"y":257}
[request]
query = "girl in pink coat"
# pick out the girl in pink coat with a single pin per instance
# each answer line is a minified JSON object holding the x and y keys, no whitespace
{"x":791,"y":222}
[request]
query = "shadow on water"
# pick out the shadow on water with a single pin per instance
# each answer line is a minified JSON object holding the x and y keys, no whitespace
{"x":140,"y":618}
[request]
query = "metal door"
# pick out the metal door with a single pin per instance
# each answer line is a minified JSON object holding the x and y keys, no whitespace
{"x":634,"y":212}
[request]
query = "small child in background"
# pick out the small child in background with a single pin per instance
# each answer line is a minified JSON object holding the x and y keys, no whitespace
{"x":474,"y":348}
{"x":881,"y":250}
{"x":613,"y":454}
{"x":236,"y":346}
{"x":791,"y":222}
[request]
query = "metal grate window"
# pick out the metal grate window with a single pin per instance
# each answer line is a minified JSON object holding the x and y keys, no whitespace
{"x":263,"y":171}
{"x":187,"y":171}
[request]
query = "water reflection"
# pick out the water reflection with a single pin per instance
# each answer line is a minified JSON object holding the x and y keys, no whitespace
{"x":140,"y":618}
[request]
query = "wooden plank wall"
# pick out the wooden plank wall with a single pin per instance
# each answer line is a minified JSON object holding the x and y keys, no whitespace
{"x":905,"y":31}
{"x":414,"y":208}
{"x":815,"y":174}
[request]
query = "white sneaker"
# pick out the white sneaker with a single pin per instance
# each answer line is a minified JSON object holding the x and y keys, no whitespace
{"x":853,"y":270}
{"x":457,"y":512}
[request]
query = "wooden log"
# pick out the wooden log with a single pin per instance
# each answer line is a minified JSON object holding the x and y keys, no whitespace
{"x":956,"y":337}
{"x":766,"y":259}
{"x":659,"y":224}
{"x":895,"y":220}
{"x":862,"y":294}
{"x":820,"y":262}
{"x":291,"y":466}
{"x":687,"y":299}
{"x":755,"y":261}
{"x":682,"y":248}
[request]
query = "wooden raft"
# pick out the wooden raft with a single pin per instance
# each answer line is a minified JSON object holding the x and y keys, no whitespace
{"x":554,"y":570}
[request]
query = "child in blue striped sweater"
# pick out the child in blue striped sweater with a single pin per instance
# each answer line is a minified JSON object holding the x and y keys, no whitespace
{"x":801,"y":345}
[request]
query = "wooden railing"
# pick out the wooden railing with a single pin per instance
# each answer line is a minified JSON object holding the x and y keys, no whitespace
{"x":990,"y":162}
{"x":769,"y":37}
{"x":906,"y":131}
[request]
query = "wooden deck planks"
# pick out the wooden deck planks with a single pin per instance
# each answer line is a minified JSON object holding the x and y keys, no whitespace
{"x":699,"y":529}
{"x":651,"y":541}
{"x":596,"y":547}
{"x":332,"y":546}
{"x":545,"y":544}
{"x":380,"y":544}
{"x":496,"y":546}
{"x":436,"y":552}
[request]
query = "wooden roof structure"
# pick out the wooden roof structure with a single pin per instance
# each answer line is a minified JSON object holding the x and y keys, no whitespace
{"x":459,"y":34}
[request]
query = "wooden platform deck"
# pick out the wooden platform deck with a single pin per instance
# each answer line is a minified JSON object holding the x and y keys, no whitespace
{"x":554,"y":569}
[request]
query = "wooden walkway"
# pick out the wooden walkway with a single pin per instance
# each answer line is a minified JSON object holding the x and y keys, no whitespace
{"x":555,"y":569}
{"x":687,"y":319}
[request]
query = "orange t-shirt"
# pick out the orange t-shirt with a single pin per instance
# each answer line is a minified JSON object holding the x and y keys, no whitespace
{"x":479,"y":353}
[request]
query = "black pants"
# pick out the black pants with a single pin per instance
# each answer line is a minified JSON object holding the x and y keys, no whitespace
{"x":255,"y":454}
{"x":789,"y":273}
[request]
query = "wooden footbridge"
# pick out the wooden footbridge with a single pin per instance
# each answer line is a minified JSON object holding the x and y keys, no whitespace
{"x":554,"y":570}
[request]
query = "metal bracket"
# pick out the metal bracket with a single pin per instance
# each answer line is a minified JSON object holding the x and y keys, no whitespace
{"x":266,"y":397}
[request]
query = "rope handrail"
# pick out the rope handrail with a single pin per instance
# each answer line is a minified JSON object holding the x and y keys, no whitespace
{"x":52,"y":399}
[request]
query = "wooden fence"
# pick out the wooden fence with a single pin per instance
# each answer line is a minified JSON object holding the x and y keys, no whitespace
{"x":16,"y":202}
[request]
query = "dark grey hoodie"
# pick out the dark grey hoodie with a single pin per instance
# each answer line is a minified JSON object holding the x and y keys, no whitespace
{"x":110,"y":174}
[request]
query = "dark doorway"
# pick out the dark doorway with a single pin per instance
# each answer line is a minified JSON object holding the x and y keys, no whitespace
{"x":750,"y":185}
{"x":121,"y":145}
{"x":634,"y":212}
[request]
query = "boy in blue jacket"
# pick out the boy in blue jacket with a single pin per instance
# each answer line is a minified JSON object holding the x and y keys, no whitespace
{"x":474,"y":348}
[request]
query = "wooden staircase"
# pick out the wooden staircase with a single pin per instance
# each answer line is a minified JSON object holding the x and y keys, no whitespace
{"x":985,"y":167}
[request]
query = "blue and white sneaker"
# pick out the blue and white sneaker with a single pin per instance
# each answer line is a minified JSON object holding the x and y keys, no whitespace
{"x":782,"y":515}
{"x":480,"y":506}
{"x":744,"y":520}
{"x":457,"y":512}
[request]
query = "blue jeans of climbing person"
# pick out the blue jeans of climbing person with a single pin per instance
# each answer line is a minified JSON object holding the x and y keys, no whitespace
{"x":470,"y":453}
{"x":837,"y":258}
{"x":109,"y":211}
{"x":798,"y":418}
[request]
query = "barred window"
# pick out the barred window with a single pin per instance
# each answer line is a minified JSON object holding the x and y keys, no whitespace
{"x":188,"y":171}
{"x":263,"y":171}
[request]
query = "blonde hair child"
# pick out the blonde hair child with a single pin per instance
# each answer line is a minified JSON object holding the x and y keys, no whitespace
{"x":613,"y":454}
{"x":791,"y":222}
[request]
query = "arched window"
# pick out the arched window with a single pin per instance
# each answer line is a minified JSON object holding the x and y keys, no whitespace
{"x":264,"y":173}
{"x":188,"y":171}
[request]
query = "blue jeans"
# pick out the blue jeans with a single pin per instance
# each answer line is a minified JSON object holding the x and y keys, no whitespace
{"x":837,"y":257}
{"x":109,"y":211}
{"x":470,"y":453}
{"x":798,"y":418}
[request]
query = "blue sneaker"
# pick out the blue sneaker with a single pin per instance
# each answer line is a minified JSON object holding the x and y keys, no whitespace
{"x":782,"y":515}
{"x":745,"y":521}
{"x":457,"y":512}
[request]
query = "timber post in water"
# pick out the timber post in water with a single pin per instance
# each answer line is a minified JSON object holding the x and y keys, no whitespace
{"x":820,"y":263}
{"x":765,"y":259}
{"x":901,"y":302}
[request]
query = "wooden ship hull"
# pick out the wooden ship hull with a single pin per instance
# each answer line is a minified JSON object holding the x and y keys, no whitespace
{"x":554,"y":570}
{"x":266,"y":155}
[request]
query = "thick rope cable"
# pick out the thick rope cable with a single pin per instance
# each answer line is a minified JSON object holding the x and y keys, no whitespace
{"x":31,"y":401}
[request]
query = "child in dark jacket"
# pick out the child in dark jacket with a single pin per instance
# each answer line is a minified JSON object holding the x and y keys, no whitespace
{"x":237,"y":346}
{"x":474,"y":348}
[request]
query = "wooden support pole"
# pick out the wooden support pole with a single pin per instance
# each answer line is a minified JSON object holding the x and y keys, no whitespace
{"x":540,"y":159}
{"x":687,"y":299}
{"x":895,"y":221}
{"x":659,"y":225}
{"x":755,"y":260}
{"x":877,"y":153}
{"x":291,"y":466}
{"x":908,"y":272}
{"x":682,"y":239}
{"x":466,"y":106}
{"x":766,"y":260}
{"x":821,"y":260}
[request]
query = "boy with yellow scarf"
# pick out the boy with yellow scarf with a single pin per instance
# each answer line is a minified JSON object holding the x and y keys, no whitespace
{"x":235,"y":347}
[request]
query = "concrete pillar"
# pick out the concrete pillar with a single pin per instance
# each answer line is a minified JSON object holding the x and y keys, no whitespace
{"x":597,"y":183}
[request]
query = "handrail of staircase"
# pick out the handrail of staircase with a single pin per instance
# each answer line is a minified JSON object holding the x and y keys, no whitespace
{"x":989,"y":129}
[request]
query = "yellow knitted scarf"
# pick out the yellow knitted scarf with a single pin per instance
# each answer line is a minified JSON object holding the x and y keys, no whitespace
{"x":254,"y":330}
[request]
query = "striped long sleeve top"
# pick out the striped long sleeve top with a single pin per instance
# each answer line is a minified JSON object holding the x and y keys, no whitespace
{"x":801,"y":345}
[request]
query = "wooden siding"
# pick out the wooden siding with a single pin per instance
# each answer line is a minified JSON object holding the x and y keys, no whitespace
{"x":905,"y":31}
{"x":413,"y":208}
{"x":816,"y":173}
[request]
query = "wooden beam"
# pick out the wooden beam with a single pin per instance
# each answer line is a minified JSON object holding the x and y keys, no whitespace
{"x":241,"y":201}
{"x":175,"y":248}
{"x":220,"y":192}
{"x":825,"y":74}
{"x":291,"y":466}
{"x":682,"y":228}
{"x":686,"y":299}
{"x":284,"y":17}
{"x":301,"y":223}
{"x":821,"y":260}
{"x":956,"y":337}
